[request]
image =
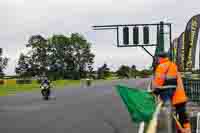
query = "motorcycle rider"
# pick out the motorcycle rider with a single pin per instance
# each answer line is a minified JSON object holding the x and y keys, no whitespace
{"x":48,"y":83}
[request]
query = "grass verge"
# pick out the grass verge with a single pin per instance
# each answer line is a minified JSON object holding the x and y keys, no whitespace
{"x":11,"y":88}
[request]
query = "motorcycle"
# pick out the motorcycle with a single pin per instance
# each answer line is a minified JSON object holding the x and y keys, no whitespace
{"x":45,"y":90}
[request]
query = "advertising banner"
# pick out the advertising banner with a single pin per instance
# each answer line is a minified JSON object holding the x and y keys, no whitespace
{"x":191,"y":36}
{"x":174,"y":49}
{"x":180,"y":52}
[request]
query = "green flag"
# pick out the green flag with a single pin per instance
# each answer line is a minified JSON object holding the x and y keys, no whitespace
{"x":140,"y":104}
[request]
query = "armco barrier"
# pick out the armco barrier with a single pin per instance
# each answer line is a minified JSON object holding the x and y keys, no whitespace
{"x":24,"y":81}
{"x":14,"y":81}
{"x":192,"y":88}
{"x":1,"y":82}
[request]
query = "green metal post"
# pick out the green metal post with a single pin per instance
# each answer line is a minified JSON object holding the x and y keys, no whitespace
{"x":160,"y":38}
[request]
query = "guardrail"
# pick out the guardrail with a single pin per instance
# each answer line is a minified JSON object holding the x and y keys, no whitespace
{"x":192,"y":88}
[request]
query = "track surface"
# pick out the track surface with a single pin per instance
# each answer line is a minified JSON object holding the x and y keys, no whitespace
{"x":96,"y":109}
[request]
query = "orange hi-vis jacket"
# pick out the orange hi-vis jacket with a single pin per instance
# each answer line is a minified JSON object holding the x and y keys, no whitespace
{"x":167,"y":76}
{"x":179,"y":95}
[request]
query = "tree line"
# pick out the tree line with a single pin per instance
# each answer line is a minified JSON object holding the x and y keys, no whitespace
{"x":58,"y":57}
{"x":64,"y":57}
{"x":124,"y":71}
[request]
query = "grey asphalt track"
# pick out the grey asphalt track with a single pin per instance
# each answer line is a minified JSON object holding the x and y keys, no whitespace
{"x":96,"y":109}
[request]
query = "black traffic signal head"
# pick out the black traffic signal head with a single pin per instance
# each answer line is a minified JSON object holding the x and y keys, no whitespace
{"x":136,"y":35}
{"x":146,"y":34}
{"x":126,"y":35}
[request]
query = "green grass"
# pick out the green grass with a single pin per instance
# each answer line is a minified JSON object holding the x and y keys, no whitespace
{"x":63,"y":83}
{"x":13,"y":88}
{"x":112,"y":78}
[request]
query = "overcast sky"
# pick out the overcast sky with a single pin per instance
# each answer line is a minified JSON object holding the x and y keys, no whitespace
{"x":22,"y":18}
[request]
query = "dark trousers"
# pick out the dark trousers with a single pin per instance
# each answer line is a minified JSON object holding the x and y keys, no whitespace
{"x":182,"y":114}
{"x":166,"y":95}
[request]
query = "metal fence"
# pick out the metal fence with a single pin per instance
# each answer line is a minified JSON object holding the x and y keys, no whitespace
{"x":192,"y":88}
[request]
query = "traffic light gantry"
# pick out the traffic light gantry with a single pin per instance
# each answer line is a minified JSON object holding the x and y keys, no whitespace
{"x":136,"y":35}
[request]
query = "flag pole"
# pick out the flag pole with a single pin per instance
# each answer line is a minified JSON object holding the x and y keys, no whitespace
{"x":152,"y":127}
{"x":141,"y":127}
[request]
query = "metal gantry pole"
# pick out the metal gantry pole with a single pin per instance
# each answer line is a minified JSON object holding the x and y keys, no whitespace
{"x":170,"y":39}
{"x":117,"y":36}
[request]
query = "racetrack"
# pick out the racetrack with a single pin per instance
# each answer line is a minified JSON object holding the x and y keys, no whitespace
{"x":96,"y":109}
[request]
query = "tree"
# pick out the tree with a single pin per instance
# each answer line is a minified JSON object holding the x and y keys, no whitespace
{"x":23,"y":66}
{"x":38,"y":54}
{"x":3,"y":63}
{"x":133,"y":71}
{"x":60,"y":56}
{"x":124,"y":71}
{"x":83,"y":56}
{"x":72,"y":56}
{"x":103,"y":72}
{"x":145,"y":73}
{"x":133,"y":67}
